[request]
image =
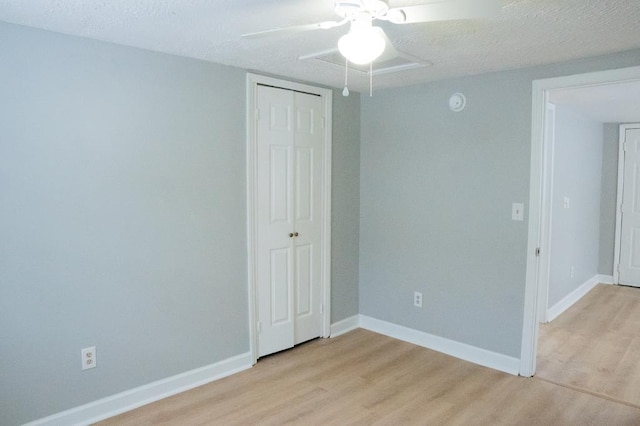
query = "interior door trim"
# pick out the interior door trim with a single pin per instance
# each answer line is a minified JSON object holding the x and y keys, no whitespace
{"x":620,"y":195}
{"x":539,"y":98}
{"x":253,"y":80}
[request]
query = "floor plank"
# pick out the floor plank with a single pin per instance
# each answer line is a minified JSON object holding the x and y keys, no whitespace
{"x":594,"y":346}
{"x":363,"y":378}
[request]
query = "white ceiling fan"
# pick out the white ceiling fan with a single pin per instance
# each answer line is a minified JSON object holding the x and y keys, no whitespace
{"x":365,"y":42}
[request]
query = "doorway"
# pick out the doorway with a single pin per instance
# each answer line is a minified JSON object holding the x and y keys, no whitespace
{"x":627,"y":254}
{"x":288,"y":213}
{"x":538,"y":241}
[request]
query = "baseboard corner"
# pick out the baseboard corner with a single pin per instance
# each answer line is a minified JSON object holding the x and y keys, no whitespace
{"x":453,"y":348}
{"x":605,"y":279}
{"x":344,"y":326}
{"x":572,"y":298}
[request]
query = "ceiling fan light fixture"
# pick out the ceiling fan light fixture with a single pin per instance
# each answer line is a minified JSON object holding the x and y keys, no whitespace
{"x":396,"y":16}
{"x":363,"y":43}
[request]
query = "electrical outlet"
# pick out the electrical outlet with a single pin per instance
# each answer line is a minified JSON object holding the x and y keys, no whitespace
{"x":89,"y":359}
{"x":572,"y":272}
{"x":417,"y":299}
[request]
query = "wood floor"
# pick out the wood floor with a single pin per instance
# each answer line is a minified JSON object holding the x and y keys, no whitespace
{"x":594,"y":346}
{"x":363,"y":378}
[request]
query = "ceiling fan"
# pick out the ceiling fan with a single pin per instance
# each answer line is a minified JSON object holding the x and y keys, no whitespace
{"x":364,"y":42}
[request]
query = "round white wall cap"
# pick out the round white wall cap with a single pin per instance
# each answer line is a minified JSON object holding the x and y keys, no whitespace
{"x":457,"y":102}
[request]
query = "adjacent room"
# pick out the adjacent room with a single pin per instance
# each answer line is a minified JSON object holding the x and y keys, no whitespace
{"x":588,"y":342}
{"x":316,"y":211}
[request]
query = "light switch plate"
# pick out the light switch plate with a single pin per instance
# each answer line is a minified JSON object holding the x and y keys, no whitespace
{"x":517,"y":211}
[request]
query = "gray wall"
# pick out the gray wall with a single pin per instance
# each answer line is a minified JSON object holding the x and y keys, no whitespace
{"x":345,"y":205}
{"x":608,"y":197}
{"x":575,"y":231}
{"x":122,"y":218}
{"x":436,"y":191}
{"x":436,"y":194}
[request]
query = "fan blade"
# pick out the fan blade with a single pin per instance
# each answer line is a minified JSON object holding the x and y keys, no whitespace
{"x":296,"y":29}
{"x":444,"y":11}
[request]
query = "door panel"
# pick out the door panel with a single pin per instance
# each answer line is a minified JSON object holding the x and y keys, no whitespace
{"x":289,"y":218}
{"x":308,"y":218}
{"x":279,"y":193}
{"x":304,"y":185}
{"x":279,"y":114}
{"x":280,"y":282}
{"x":304,"y":280}
{"x":629,"y":268}
{"x":274,"y":221}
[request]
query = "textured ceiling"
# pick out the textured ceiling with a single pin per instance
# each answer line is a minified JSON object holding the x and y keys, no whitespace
{"x":526,"y":33}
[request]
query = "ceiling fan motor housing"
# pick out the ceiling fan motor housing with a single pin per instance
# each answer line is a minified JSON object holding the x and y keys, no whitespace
{"x":353,"y":8}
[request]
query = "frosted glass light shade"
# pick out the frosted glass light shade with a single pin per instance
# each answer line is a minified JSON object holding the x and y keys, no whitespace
{"x":362,"y":45}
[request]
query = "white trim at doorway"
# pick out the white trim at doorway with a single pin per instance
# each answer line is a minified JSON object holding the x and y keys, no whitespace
{"x":617,"y":245}
{"x":538,"y":192}
{"x":253,"y":80}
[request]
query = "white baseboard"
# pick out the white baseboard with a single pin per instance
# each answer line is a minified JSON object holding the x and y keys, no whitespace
{"x":456,"y":349}
{"x":125,"y":401}
{"x":570,"y":299}
{"x":605,"y":279}
{"x":137,"y":397}
{"x":344,"y":326}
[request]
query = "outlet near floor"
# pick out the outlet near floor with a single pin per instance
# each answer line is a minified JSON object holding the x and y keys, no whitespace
{"x":417,"y":299}
{"x":89,"y":359}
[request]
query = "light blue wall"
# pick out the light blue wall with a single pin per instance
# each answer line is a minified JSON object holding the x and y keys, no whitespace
{"x":436,"y":194}
{"x":575,"y":232}
{"x":436,"y":191}
{"x":123,"y":218}
{"x":608,"y":197}
{"x":345,"y":205}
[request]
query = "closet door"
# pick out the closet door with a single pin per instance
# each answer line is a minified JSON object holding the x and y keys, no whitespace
{"x":308,"y":143}
{"x":289,"y":173}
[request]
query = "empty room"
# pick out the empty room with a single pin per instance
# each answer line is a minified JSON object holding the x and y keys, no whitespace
{"x":319,"y":212}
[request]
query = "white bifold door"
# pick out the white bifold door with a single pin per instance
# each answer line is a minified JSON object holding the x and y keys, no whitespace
{"x":629,"y":267}
{"x":290,"y":137}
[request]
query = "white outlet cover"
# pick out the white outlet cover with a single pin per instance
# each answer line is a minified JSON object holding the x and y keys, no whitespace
{"x":417,"y":299}
{"x":517,"y":211}
{"x":89,"y":359}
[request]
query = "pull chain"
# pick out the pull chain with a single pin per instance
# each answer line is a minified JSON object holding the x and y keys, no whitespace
{"x":371,"y":79}
{"x":345,"y":92}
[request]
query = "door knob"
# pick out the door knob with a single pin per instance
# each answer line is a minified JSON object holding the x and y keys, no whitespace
{"x":291,"y":235}
{"x":295,"y":234}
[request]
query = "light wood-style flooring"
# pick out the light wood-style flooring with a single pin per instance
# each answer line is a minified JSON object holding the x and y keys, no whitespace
{"x":363,"y":378}
{"x":594,"y":346}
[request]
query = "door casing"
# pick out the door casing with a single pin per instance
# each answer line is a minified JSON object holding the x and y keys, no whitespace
{"x":619,"y":200}
{"x":253,"y":80}
{"x":538,"y":191}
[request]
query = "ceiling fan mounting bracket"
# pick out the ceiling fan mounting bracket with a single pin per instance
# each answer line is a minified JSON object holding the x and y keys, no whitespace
{"x":350,"y":9}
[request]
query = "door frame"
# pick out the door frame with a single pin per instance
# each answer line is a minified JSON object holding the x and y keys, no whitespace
{"x":618,"y":241}
{"x":546,"y":224}
{"x":538,"y":237}
{"x":253,"y":80}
